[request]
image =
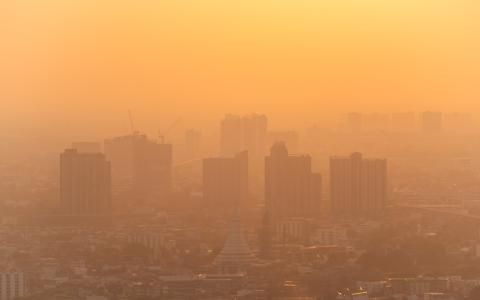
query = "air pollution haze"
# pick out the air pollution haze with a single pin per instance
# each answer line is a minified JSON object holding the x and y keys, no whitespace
{"x":75,"y":65}
{"x":255,"y":149}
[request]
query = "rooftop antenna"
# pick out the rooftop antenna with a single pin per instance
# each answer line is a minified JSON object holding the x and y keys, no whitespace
{"x":132,"y":128}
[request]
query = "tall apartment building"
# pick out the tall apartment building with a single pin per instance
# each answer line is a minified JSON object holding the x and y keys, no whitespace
{"x":247,"y":133}
{"x":225,"y":182}
{"x":290,"y":138}
{"x":432,"y":122}
{"x":152,"y":168}
{"x":140,"y":164}
{"x":358,"y":186}
{"x":85,"y":184}
{"x":291,"y":188}
{"x":192,"y":144}
{"x":87,"y":147}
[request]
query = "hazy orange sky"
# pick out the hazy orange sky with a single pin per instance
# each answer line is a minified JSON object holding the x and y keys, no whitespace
{"x":81,"y":64}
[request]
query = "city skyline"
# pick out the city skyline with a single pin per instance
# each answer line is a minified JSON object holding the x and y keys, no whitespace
{"x":308,"y":58}
{"x":240,"y":150}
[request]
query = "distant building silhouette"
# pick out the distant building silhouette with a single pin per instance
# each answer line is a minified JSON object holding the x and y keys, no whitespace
{"x":358,"y":186}
{"x":85,"y":186}
{"x":225,"y":182}
{"x":290,"y":138}
{"x":432,"y":122}
{"x":293,"y":230}
{"x":87,"y":147}
{"x":153,"y":241}
{"x":458,"y":122}
{"x":246,"y":133}
{"x":119,"y":152}
{"x":355,"y":122}
{"x":140,"y":164}
{"x":402,"y":122}
{"x":376,"y":122}
{"x":12,"y":285}
{"x":265,"y":237}
{"x":192,"y":144}
{"x":152,"y":168}
{"x":291,"y":189}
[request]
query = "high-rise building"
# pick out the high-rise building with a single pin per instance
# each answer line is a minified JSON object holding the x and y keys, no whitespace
{"x":291,"y":189}
{"x":152,"y":168}
{"x":153,"y":241}
{"x":87,"y":147}
{"x":192,"y":144}
{"x":290,"y":138}
{"x":119,"y":152}
{"x":246,"y":133}
{"x":255,"y":136}
{"x":432,"y":122}
{"x":403,"y":121}
{"x":140,"y":164}
{"x":376,"y":122}
{"x":225,"y":182}
{"x":231,"y":135}
{"x":12,"y":285}
{"x":355,"y":122}
{"x":458,"y":122}
{"x":85,"y":186}
{"x":358,"y":186}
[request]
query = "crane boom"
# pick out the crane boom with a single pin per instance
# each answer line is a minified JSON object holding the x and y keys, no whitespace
{"x":132,"y":128}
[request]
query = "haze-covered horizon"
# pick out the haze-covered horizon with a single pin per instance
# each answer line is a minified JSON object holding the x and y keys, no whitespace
{"x":77,"y":67}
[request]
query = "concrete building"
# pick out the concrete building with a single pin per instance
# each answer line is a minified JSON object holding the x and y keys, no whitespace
{"x":353,"y":295}
{"x":12,"y":285}
{"x":376,"y":122}
{"x":247,"y":133}
{"x":225,"y":182}
{"x":293,"y":230}
{"x":438,"y":296}
{"x":358,"y":186}
{"x":291,"y":189}
{"x":290,"y":138}
{"x":328,"y":236}
{"x":355,"y":122}
{"x":119,"y":152}
{"x":87,"y":147}
{"x":192,"y":144}
{"x":458,"y":122}
{"x":85,"y":183}
{"x":140,"y":164}
{"x":151,"y":240}
{"x":152,"y":168}
{"x":418,"y":286}
{"x":403,"y":122}
{"x":432,"y":122}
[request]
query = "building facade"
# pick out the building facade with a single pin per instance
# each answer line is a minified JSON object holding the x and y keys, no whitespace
{"x":193,"y":144}
{"x":12,"y":285}
{"x":85,"y":183}
{"x":291,"y":189}
{"x":358,"y":186}
{"x":247,"y":133}
{"x":225,"y":181}
{"x":140,"y":164}
{"x":432,"y":122}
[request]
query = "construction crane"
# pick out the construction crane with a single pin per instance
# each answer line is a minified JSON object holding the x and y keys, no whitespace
{"x":132,"y":128}
{"x":161,"y":135}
